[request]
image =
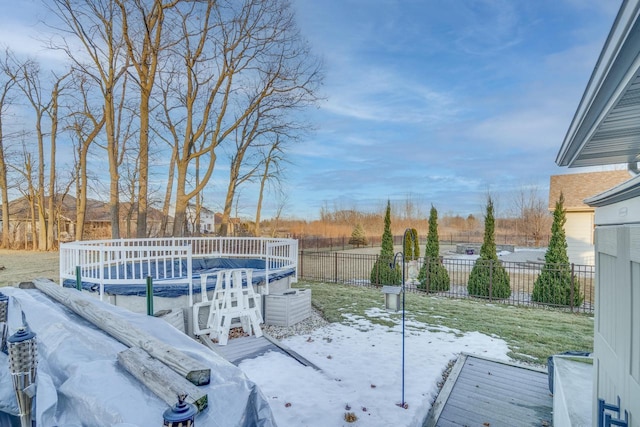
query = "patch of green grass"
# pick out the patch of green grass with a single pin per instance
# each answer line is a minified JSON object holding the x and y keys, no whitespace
{"x":532,"y":334}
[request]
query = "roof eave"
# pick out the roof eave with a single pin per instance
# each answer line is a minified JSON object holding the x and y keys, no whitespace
{"x":617,"y":65}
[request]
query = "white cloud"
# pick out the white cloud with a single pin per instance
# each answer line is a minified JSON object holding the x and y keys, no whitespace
{"x":383,"y":95}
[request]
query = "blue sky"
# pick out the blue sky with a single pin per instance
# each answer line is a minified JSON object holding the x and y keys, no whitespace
{"x":434,"y":101}
{"x":441,"y":101}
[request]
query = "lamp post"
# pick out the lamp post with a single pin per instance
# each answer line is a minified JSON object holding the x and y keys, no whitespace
{"x":407,"y":232}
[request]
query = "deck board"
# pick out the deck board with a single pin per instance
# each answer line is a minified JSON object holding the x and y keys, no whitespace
{"x":483,"y":392}
{"x":239,"y":349}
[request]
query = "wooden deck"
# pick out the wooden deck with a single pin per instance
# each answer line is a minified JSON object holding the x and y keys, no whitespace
{"x":488,"y":393}
{"x":239,"y":349}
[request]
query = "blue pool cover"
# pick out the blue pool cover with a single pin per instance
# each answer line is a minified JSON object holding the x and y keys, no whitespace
{"x":165,"y":288}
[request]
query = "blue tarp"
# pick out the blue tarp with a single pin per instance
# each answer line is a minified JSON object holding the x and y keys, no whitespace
{"x":164,"y":287}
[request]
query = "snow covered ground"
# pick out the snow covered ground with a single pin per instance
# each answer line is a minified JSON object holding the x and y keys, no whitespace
{"x":361,"y":365}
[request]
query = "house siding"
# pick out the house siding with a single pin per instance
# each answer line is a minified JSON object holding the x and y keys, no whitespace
{"x":579,"y":228}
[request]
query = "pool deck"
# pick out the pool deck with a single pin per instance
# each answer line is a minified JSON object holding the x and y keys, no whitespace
{"x":239,"y":349}
{"x":484,"y":392}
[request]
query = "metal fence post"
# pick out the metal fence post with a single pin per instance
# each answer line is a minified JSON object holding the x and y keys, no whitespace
{"x":78,"y":278}
{"x":428,"y":278}
{"x":571,"y":282}
{"x":491,"y":279}
{"x":149,"y":296}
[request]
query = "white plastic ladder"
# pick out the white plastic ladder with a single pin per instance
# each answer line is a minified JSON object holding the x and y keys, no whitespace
{"x":231,"y":300}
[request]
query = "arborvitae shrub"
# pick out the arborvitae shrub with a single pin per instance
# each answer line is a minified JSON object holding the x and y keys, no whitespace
{"x":433,"y":275}
{"x":383,"y":273}
{"x":488,"y":277}
{"x":553,"y":285}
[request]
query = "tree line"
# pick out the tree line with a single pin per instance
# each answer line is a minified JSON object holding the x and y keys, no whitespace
{"x":188,"y":85}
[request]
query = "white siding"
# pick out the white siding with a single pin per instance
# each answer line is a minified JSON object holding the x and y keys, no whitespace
{"x":617,"y":322}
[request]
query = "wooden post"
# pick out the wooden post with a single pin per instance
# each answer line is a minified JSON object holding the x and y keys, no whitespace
{"x":160,"y":379}
{"x":125,"y":332}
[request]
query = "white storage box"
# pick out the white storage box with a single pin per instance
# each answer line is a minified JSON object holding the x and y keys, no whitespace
{"x":288,"y":307}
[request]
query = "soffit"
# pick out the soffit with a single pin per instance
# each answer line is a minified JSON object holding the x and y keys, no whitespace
{"x":606,"y":127}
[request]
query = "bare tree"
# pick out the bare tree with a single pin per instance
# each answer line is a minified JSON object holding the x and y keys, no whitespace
{"x":6,"y":100}
{"x":27,"y":77}
{"x":85,"y":126}
{"x":281,"y":205}
{"x":238,"y":48}
{"x":94,"y":26}
{"x":533,"y":217}
{"x":144,"y":41}
{"x":26,"y":187}
{"x":244,"y":137}
{"x":271,"y":172}
{"x":52,"y":112}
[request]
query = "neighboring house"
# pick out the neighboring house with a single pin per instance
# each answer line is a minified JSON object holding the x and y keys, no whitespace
{"x":97,"y":223}
{"x":207,"y":220}
{"x":606,"y":130}
{"x":235,"y":225}
{"x":21,"y":222}
{"x":579,"y":227}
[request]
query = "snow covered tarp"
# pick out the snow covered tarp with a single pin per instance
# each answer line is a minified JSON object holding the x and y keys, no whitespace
{"x":80,"y":382}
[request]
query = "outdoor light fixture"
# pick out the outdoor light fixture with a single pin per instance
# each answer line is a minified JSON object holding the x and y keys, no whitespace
{"x":181,"y":415}
{"x":23,"y":363}
{"x":407,"y":232}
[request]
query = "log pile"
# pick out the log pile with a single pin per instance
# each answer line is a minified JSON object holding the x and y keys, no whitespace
{"x":166,"y":371}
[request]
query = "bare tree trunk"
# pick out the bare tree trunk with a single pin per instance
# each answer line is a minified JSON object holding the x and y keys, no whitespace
{"x":167,"y":195}
{"x":5,"y":103}
{"x":272,"y":171}
{"x":4,"y":192}
{"x":263,"y":181}
{"x":96,"y":30}
{"x":145,"y":61}
{"x":85,"y":139}
{"x":31,"y":197}
{"x":27,"y":77}
{"x":53,"y":201}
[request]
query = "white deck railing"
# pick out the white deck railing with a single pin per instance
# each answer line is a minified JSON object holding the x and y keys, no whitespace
{"x":123,"y":261}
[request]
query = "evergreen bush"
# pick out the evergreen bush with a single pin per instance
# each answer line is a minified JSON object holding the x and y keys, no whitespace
{"x":358,"y":238}
{"x":383,"y":273}
{"x":411,"y":245}
{"x":488,"y":277}
{"x":553,"y":285}
{"x":433,"y":274}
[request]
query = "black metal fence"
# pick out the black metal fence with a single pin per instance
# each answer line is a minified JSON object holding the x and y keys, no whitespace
{"x":567,"y":286}
{"x":342,"y":243}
